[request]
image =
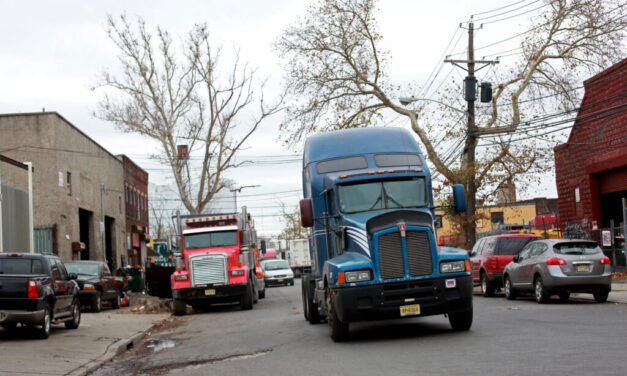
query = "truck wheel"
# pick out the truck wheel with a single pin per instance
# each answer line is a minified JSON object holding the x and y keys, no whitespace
{"x":96,"y":302}
{"x":460,"y":320}
{"x":337,"y":329}
{"x":246,"y":301}
{"x":487,"y":287}
{"x":262,"y":293}
{"x":309,"y":307}
{"x":46,"y":323}
{"x":76,"y":315}
{"x":117,"y":302}
{"x":180,"y":307}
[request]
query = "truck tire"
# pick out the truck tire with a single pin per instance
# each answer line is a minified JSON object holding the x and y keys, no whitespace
{"x":96,"y":302}
{"x":460,"y":320}
{"x":246,"y":301}
{"x":338,"y":330}
{"x":262,"y":293}
{"x":310,"y":309}
{"x":180,"y":307}
{"x":76,"y":315}
{"x":46,"y":323}
{"x":487,"y":287}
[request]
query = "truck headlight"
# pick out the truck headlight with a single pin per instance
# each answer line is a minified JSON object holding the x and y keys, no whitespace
{"x":180,"y":277}
{"x":237,"y":272}
{"x":357,"y":276}
{"x":453,"y":267}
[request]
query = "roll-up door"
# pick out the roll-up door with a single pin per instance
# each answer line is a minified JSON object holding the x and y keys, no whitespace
{"x":613,"y":180}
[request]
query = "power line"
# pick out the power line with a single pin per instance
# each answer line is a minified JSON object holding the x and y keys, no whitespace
{"x":510,"y":11}
{"x":497,"y":9}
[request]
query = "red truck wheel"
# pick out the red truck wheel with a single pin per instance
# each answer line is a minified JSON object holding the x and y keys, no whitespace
{"x":180,"y":307}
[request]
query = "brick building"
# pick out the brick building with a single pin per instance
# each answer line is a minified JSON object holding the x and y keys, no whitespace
{"x":136,"y":199}
{"x":591,"y":167}
{"x":77,"y":186}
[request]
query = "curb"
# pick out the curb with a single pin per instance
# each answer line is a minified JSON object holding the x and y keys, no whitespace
{"x":114,"y":349}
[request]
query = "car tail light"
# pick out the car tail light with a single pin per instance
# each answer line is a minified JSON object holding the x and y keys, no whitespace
{"x":124,"y":279}
{"x":604,"y":261}
{"x":33,"y":291}
{"x":493,"y":263}
{"x":555,"y":261}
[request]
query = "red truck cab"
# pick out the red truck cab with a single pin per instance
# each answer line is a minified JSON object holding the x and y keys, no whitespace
{"x":216,"y":263}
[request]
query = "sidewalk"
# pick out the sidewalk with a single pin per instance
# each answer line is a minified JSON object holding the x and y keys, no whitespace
{"x":74,"y":352}
{"x":617,"y":295}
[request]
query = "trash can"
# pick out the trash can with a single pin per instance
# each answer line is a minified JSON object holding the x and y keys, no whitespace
{"x":137,"y":279}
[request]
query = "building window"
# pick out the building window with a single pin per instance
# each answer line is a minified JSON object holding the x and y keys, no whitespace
{"x":577,"y":196}
{"x":68,"y":183}
{"x":438,"y":221}
{"x":497,"y":217}
{"x":120,"y":203}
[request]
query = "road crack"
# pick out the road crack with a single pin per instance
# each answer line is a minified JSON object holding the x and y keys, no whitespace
{"x":164,"y":368}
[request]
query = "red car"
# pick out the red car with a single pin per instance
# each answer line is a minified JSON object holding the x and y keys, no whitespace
{"x":491,"y":254}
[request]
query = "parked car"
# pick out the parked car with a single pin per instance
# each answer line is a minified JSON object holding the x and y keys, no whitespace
{"x":97,"y":284}
{"x":491,"y":254}
{"x":37,"y":290}
{"x":277,"y":272}
{"x":559,"y":267}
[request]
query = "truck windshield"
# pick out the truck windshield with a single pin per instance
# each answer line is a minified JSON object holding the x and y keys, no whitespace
{"x":210,"y":239}
{"x":82,"y":268}
{"x":409,"y":193}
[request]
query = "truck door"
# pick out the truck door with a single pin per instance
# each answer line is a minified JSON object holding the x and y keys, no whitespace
{"x":475,"y":257}
{"x":109,"y":287}
{"x":335,"y":226}
{"x":61,"y":281}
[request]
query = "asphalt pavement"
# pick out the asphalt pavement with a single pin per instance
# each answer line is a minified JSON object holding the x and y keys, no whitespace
{"x":521,"y":337}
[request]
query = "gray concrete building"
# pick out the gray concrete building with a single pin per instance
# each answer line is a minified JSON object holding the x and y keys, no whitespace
{"x":78,"y":186}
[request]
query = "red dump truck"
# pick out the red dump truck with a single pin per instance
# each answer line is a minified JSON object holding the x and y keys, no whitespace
{"x":216,"y":262}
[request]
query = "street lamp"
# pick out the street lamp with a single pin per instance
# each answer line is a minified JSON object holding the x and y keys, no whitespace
{"x":407,"y":100}
{"x":235,"y":190}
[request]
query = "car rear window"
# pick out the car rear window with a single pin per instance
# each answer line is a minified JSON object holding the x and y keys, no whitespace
{"x":20,"y":266}
{"x":511,"y":246}
{"x":577,"y":248}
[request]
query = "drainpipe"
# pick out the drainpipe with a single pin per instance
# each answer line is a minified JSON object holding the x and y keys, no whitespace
{"x":31,"y":230}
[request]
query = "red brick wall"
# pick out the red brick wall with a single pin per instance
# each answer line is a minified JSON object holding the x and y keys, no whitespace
{"x":597,"y":143}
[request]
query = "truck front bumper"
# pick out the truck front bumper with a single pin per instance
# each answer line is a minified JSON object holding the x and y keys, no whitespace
{"x":210,"y":293}
{"x":378,"y":302}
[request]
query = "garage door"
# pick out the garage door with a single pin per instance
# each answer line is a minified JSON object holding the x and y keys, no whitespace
{"x":613,"y":181}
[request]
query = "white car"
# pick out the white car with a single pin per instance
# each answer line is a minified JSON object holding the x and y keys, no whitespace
{"x":277,"y":272}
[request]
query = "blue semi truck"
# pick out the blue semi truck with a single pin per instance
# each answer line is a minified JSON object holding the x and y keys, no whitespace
{"x":369,"y":204}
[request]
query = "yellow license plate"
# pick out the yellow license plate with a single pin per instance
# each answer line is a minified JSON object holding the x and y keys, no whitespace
{"x":279,"y":280}
{"x":410,"y":310}
{"x":583,"y":268}
{"x":210,"y":292}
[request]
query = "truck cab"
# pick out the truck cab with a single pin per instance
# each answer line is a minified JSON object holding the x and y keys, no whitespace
{"x":369,"y":204}
{"x":216,"y":263}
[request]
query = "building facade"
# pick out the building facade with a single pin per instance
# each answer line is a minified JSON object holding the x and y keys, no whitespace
{"x":591,"y":167}
{"x":78,"y":186}
{"x":136,"y":203}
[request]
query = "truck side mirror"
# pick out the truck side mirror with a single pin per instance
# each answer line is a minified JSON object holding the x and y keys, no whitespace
{"x":459,"y":198}
{"x":262,"y":243}
{"x":306,"y":212}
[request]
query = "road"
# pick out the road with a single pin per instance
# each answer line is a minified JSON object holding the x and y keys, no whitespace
{"x":509,"y":338}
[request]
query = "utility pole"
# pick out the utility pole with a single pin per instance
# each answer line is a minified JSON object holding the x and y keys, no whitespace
{"x":468,"y":156}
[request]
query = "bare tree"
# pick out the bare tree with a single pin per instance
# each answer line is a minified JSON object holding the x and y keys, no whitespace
{"x":293,"y":229}
{"x":336,"y":74}
{"x":184,"y":97}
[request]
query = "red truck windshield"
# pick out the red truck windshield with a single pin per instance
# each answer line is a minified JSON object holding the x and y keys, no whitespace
{"x":210,"y":239}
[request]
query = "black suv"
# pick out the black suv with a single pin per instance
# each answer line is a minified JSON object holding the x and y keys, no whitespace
{"x":37,"y":290}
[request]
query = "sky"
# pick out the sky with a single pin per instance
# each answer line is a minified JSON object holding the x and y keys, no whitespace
{"x":53,"y":52}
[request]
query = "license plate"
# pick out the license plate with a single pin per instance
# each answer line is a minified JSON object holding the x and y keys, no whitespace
{"x":410,"y":310}
{"x":210,"y":292}
{"x":279,"y":280}
{"x":583,"y":268}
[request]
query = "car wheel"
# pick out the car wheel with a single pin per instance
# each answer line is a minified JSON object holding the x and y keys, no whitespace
{"x":96,"y":302}
{"x":180,"y":307}
{"x":510,"y":293}
{"x":564,"y":296}
{"x":246,"y":301}
{"x":487,"y":287}
{"x":117,"y":302}
{"x":600,"y":295}
{"x":76,"y":315}
{"x":46,"y":322}
{"x":541,"y":293}
{"x":460,"y":320}
{"x":338,"y":330}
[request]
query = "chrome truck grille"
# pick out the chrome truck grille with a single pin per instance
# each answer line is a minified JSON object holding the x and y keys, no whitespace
{"x":392,"y":254}
{"x":210,"y":269}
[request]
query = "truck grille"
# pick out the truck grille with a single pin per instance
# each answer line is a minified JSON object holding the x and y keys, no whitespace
{"x":419,"y":253}
{"x":391,"y":255}
{"x":208,"y":269}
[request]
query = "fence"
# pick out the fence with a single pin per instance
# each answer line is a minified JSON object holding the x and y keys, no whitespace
{"x":46,"y":239}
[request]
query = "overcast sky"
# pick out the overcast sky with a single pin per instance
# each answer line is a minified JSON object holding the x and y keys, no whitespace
{"x":52,"y":52}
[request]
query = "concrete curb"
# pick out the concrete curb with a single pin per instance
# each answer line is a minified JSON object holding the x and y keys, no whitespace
{"x":113,"y":350}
